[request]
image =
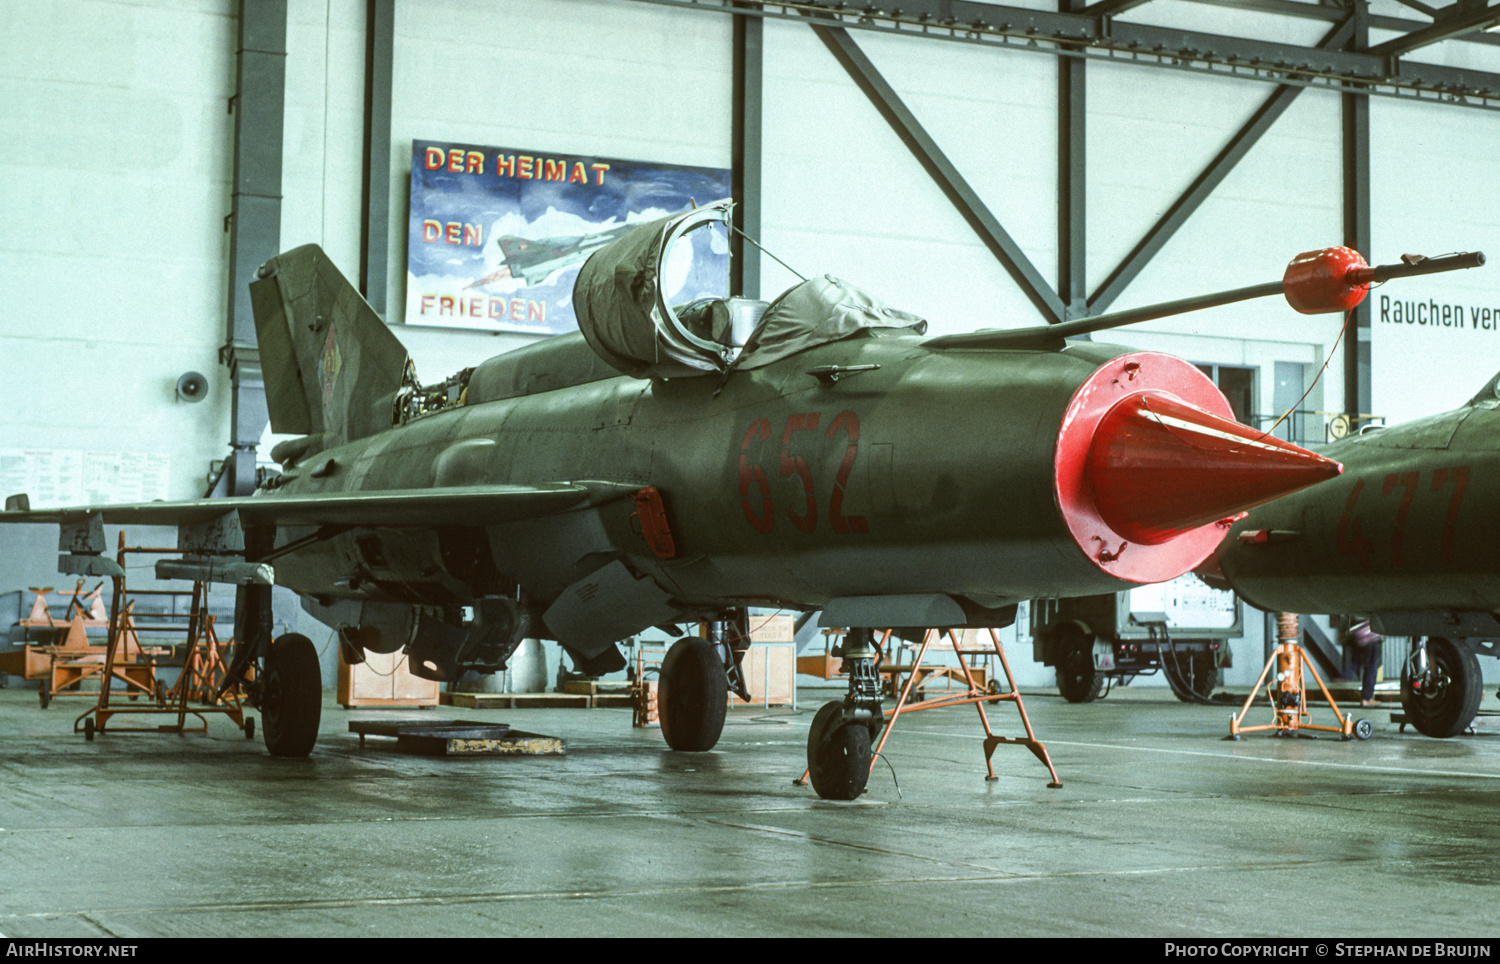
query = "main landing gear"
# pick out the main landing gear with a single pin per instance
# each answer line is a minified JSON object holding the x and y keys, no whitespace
{"x":1441,"y":687}
{"x":696,"y":679}
{"x":693,"y":695}
{"x":842,"y":732}
{"x":288,"y":686}
{"x":290,"y":696}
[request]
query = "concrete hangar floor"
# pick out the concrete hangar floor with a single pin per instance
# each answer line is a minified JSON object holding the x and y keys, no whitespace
{"x":1161,"y":829}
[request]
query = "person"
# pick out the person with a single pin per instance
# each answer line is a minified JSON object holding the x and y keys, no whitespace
{"x":1364,"y":644}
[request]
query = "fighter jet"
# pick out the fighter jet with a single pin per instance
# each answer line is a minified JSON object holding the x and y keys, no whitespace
{"x":532,"y":260}
{"x":680,"y":464}
{"x":1402,"y":536}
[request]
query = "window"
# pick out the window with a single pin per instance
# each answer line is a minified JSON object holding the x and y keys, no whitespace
{"x":1238,"y":385}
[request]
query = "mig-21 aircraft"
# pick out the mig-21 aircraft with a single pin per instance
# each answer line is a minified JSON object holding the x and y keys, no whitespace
{"x":671,"y":464}
{"x":1402,"y":537}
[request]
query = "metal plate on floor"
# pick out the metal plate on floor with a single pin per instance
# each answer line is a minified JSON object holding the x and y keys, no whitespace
{"x":460,"y":738}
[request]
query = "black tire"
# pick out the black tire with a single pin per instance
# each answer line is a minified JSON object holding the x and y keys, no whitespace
{"x":838,"y":754}
{"x":249,"y":727}
{"x":1196,"y":673}
{"x":43,"y":694}
{"x":693,"y":695}
{"x":291,"y":699}
{"x":88,"y":729}
{"x":1446,"y":706}
{"x":1077,"y":679}
{"x":1363,"y":729}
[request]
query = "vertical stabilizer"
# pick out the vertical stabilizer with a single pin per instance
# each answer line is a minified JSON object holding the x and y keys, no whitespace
{"x":331,"y":366}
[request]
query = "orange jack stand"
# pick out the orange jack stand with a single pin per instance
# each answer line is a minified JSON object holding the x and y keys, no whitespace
{"x":1287,"y":691}
{"x":202,"y":671}
{"x":973,"y":693}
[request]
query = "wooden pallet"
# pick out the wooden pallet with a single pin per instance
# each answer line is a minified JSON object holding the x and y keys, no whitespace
{"x":521,"y":701}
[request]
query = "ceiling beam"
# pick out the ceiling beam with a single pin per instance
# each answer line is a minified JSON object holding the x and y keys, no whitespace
{"x":1175,"y":216}
{"x":1451,"y":21}
{"x":941,"y":170}
{"x":1067,"y":34}
{"x":1420,"y":7}
{"x":1109,"y":8}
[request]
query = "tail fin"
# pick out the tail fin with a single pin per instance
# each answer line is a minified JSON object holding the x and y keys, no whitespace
{"x":331,"y":366}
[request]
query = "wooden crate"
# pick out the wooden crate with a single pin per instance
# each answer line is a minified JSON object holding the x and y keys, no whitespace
{"x":384,"y":680}
{"x":770,"y":674}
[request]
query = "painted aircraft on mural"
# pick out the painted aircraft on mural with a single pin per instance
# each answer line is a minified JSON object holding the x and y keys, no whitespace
{"x":533,"y":260}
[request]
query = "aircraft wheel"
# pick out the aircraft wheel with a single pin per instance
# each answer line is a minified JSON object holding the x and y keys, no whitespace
{"x":838,"y":754}
{"x":1445,"y":705}
{"x":1202,"y":675}
{"x":1077,"y":679}
{"x":1363,"y":729}
{"x":694,"y":695}
{"x":291,"y":701}
{"x":89,"y":729}
{"x":249,"y":727}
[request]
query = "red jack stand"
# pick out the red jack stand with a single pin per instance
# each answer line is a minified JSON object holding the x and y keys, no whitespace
{"x":1288,"y":691}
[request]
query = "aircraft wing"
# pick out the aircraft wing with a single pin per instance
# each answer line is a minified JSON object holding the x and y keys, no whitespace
{"x":471,"y":505}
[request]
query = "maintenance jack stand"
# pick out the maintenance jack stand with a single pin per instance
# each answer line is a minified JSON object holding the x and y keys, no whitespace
{"x":974,"y":692}
{"x":1288,"y":692}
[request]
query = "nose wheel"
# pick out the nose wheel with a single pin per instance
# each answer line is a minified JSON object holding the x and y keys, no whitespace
{"x":839,"y":740}
{"x":838,"y":753}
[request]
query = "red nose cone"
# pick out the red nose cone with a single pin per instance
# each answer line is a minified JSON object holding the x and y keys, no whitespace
{"x":1149,"y":458}
{"x":1160,"y":468}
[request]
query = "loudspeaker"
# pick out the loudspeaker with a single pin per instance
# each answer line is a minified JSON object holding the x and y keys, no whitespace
{"x":192,"y":387}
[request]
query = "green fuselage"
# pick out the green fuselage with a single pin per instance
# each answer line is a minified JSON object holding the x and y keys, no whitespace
{"x":1406,"y":528}
{"x":931,"y":473}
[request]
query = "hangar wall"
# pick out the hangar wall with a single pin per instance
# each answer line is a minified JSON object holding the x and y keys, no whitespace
{"x":115,"y":165}
{"x":116,"y":158}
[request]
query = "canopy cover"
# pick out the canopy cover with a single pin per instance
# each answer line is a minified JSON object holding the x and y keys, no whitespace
{"x":625,"y":319}
{"x":816,"y":312}
{"x":621,"y":310}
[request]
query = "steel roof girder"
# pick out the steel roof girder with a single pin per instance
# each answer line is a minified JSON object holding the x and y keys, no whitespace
{"x":964,"y":19}
{"x":941,"y":169}
{"x":1451,"y":21}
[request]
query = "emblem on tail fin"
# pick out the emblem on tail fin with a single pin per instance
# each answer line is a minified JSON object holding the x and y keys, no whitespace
{"x":330,"y":372}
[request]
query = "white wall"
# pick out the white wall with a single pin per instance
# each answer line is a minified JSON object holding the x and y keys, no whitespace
{"x":117,"y":151}
{"x":323,"y":132}
{"x":843,"y":196}
{"x":114,"y":175}
{"x":592,"y":77}
{"x":1443,"y":164}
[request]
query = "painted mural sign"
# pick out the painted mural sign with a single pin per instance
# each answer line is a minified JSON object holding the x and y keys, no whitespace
{"x":496,"y":234}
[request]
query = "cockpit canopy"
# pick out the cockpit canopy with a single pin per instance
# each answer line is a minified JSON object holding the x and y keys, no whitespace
{"x":627,"y":321}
